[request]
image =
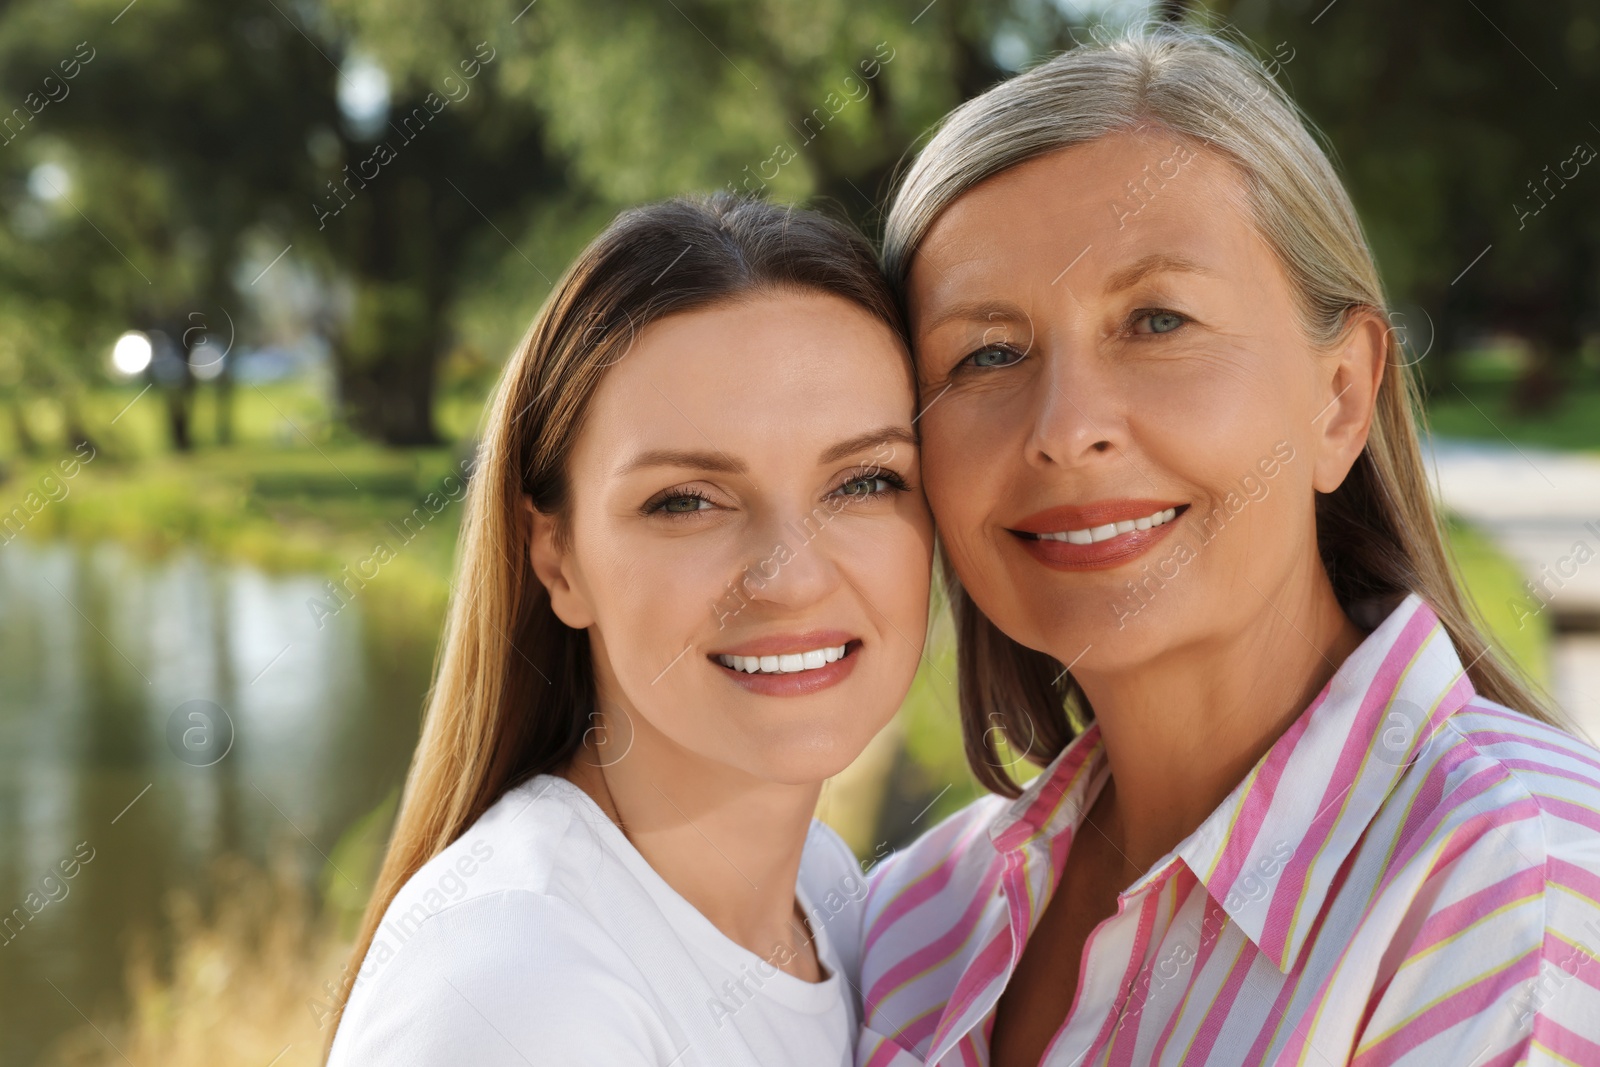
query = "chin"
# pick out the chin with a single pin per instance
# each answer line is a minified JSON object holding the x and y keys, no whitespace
{"x":1091,"y":630}
{"x":805,"y":757}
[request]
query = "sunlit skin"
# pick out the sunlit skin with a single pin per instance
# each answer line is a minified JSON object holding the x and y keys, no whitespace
{"x":1071,"y":361}
{"x":772,"y":433}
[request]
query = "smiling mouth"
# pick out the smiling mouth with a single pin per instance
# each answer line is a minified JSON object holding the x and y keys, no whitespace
{"x":1108,"y":531}
{"x":788,"y":663}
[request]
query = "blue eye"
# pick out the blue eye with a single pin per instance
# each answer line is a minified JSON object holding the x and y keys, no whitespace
{"x":1159,"y":321}
{"x":993,"y":356}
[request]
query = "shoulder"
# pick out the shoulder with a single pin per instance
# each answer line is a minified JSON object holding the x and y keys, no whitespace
{"x":509,"y":977}
{"x":1499,"y":771}
{"x":537,"y":837}
{"x":1546,"y":794}
{"x":937,"y":875}
{"x":543,"y":835}
{"x":1497,"y":826}
{"x":489,"y":940}
{"x":1498,"y":852}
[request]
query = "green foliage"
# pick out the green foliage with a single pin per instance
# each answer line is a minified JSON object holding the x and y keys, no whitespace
{"x":650,"y":100}
{"x":1455,"y":127}
{"x":1495,"y":586}
{"x":352,"y":866}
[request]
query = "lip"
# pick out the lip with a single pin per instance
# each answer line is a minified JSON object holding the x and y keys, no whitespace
{"x":1101,"y":555}
{"x":799,"y":683}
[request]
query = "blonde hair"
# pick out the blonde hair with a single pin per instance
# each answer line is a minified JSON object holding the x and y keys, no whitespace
{"x":514,"y":686}
{"x":1379,"y":534}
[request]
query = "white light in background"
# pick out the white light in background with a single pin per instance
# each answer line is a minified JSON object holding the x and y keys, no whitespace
{"x":131,"y":354}
{"x":49,"y":181}
{"x":364,"y":95}
{"x":204,"y":364}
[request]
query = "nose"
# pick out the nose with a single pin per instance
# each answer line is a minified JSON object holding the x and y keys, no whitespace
{"x":1078,"y":415}
{"x":787,"y":563}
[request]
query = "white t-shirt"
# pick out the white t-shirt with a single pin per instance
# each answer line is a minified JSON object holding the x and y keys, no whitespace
{"x":541,"y":936}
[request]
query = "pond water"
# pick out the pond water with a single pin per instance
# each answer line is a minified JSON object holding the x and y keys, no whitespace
{"x":153,"y":716}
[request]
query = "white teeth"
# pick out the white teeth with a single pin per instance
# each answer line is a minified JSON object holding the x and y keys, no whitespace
{"x":785,"y":664}
{"x":1110,"y":529}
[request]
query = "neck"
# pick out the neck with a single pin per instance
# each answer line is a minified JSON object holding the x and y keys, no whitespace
{"x":1180,"y":733}
{"x":727,"y":842}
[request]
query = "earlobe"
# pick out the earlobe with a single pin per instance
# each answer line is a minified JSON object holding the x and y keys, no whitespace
{"x":1349,"y":400}
{"x":552,"y":566}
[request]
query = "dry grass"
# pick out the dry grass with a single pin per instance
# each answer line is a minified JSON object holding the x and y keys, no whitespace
{"x":242,"y":988}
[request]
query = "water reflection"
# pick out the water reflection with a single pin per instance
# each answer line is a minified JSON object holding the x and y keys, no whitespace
{"x":97,"y":650}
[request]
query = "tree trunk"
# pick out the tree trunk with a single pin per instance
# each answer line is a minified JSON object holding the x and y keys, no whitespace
{"x":27,"y":444}
{"x":222,"y":398}
{"x":178,"y":420}
{"x":387,"y":364}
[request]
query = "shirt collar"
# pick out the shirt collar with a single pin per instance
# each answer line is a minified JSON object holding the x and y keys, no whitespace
{"x":1056,"y":800}
{"x":1269,"y":853}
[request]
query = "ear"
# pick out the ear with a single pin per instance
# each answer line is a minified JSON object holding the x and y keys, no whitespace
{"x":1350,"y":378}
{"x":553,"y":566}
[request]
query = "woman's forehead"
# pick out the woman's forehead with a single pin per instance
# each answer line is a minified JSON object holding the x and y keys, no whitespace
{"x":1096,"y":218}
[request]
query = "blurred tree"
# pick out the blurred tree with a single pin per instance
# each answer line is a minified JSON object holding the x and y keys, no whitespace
{"x":179,"y":129}
{"x":1463,"y":132}
{"x":193,"y":133}
{"x":411,"y":154}
{"x":790,"y":100}
{"x":450,"y":168}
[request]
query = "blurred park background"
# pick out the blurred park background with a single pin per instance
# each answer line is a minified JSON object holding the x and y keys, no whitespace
{"x":260,"y":264}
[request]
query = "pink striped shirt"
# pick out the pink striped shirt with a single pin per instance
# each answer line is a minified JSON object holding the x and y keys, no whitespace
{"x":1410,"y":875}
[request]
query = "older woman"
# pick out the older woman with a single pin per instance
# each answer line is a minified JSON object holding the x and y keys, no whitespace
{"x":1294,"y":809}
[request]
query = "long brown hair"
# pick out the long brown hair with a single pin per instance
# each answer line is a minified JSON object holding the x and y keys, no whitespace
{"x":1379,"y":533}
{"x":514,"y":685}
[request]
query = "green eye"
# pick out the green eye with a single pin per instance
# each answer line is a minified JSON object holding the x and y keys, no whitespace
{"x":864,"y":486}
{"x":993,"y":356}
{"x":680,"y":504}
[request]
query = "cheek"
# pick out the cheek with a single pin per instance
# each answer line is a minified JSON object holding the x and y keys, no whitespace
{"x":962,"y":446}
{"x":888,"y":562}
{"x":653,"y":598}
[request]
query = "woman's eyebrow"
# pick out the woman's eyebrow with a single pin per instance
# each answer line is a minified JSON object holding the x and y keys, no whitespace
{"x":973,"y":311}
{"x":1154,"y":263}
{"x":693,"y":459}
{"x":850,"y":446}
{"x":721,"y":463}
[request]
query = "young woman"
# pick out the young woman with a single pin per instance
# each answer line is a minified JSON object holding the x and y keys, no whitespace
{"x":693,"y":584}
{"x":1294,"y":810}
